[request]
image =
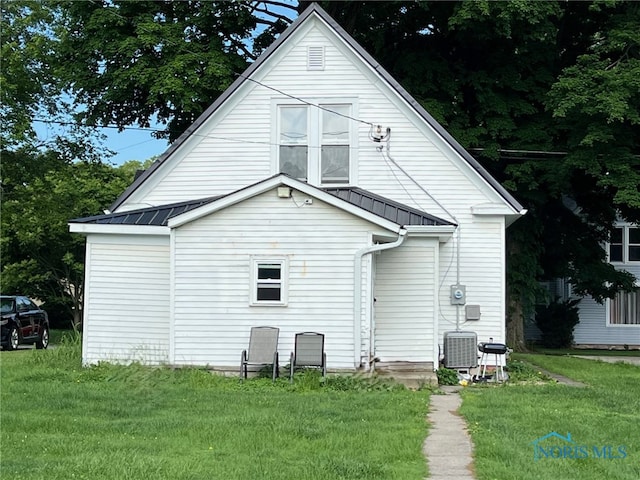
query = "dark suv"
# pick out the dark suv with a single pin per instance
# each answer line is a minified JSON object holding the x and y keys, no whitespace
{"x":23,"y":322}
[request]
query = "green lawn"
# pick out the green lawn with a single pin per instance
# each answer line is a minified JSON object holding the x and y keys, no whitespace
{"x":60,"y":421}
{"x":505,"y":420}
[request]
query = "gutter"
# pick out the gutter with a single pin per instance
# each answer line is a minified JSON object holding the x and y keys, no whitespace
{"x":357,"y":296}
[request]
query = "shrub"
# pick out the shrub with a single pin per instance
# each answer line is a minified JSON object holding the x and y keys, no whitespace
{"x":556,"y":322}
{"x":447,"y":376}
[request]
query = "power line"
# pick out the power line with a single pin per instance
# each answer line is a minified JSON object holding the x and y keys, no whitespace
{"x":241,"y":75}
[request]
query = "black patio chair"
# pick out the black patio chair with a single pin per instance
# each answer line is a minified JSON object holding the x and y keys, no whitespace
{"x":309,"y":353}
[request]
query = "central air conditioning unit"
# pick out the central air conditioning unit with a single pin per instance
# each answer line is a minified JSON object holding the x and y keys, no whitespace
{"x":460,"y":349}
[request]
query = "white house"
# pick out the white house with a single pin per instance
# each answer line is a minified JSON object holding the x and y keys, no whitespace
{"x":314,"y":195}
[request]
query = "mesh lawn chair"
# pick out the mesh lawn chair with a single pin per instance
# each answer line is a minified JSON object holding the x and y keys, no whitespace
{"x":309,"y":352}
{"x":263,"y":350}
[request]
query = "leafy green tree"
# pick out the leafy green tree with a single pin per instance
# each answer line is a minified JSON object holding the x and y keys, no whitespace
{"x":132,"y":62}
{"x":26,"y":81}
{"x":41,"y":258}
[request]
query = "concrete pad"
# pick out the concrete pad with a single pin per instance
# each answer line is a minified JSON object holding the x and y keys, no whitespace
{"x":448,"y":447}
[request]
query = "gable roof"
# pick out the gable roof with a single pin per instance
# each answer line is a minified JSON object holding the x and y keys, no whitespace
{"x":366,"y":202}
{"x":315,"y":9}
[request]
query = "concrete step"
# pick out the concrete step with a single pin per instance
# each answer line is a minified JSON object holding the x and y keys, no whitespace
{"x":413,"y":375}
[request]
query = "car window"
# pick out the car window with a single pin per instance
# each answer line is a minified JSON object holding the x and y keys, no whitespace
{"x":24,"y":304}
{"x":7,"y":305}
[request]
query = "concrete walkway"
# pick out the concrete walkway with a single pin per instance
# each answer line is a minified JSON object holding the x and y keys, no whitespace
{"x":448,"y":447}
{"x":612,"y":359}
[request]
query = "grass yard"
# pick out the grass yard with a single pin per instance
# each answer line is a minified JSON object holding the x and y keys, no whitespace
{"x":60,"y":421}
{"x":505,"y":420}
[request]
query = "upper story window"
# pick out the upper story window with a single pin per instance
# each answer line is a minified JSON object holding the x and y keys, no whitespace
{"x":315,"y":143}
{"x":624,"y":244}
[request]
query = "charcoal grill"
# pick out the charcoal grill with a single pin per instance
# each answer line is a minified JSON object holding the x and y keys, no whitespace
{"x":497,"y":350}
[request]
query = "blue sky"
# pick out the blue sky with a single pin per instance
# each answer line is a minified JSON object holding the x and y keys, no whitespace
{"x":133,"y":145}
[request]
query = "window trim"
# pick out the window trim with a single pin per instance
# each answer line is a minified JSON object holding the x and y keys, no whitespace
{"x":314,"y":125}
{"x":618,"y":325}
{"x":625,"y":245}
{"x":255,"y":262}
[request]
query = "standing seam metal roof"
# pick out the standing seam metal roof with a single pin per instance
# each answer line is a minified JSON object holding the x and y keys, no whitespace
{"x":391,"y":210}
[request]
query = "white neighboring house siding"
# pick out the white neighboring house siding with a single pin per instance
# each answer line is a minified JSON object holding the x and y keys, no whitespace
{"x":212,"y":278}
{"x":594,"y":329}
{"x":405,"y":287}
{"x":127,"y":299}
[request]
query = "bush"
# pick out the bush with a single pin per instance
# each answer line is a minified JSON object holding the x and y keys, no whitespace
{"x":447,"y":376}
{"x":556,"y":322}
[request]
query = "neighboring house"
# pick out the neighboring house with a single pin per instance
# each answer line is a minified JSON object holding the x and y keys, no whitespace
{"x":314,"y":195}
{"x":615,"y":322}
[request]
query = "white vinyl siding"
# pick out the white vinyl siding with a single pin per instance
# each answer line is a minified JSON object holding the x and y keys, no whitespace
{"x":237,"y":147}
{"x":482,"y":271}
{"x":405,"y":303}
{"x":595,"y":327}
{"x":126,"y":300}
{"x":213,"y":258}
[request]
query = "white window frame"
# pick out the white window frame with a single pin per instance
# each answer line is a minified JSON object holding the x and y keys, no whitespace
{"x":621,"y":325}
{"x":625,"y":245}
{"x":256,"y":263}
{"x":314,"y":126}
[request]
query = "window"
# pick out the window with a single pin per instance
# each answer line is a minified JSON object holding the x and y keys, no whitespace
{"x":335,"y":144}
{"x":269,"y":281}
{"x":624,"y":309}
{"x":294,"y":141}
{"x":624,"y":244}
{"x":315,"y":143}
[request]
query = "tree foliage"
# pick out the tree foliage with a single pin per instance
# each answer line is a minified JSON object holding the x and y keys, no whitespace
{"x":41,"y":193}
{"x":135,"y":62}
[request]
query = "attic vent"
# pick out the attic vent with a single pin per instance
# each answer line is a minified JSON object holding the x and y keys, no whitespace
{"x":315,"y":58}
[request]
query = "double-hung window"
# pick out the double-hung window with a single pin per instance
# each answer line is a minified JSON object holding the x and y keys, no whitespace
{"x":315,"y":142}
{"x":269,"y":278}
{"x":624,"y":309}
{"x":334,"y":151}
{"x":294,"y":141}
{"x":624,"y":244}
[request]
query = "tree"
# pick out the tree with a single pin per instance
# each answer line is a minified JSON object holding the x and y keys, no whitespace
{"x":131,"y":62}
{"x":41,"y":193}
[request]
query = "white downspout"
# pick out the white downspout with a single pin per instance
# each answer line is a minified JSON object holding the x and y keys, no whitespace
{"x":357,"y":296}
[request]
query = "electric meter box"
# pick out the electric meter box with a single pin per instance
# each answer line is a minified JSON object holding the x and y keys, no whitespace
{"x":458,"y":294}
